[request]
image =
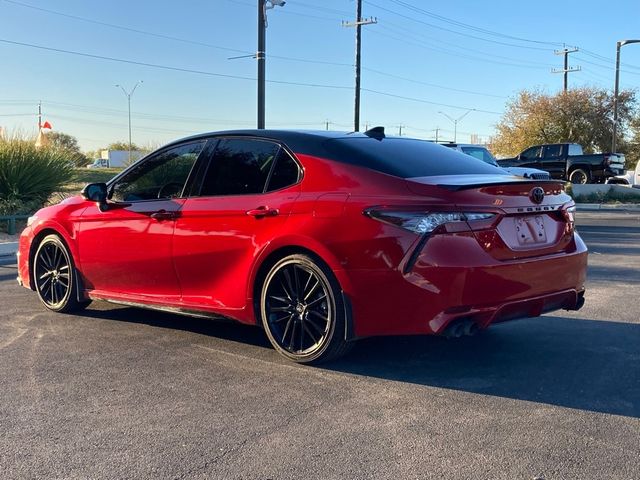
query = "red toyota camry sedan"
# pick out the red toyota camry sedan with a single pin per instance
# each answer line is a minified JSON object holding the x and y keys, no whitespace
{"x":320,"y":238}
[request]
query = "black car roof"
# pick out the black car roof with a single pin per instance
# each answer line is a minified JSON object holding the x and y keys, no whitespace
{"x":399,"y":156}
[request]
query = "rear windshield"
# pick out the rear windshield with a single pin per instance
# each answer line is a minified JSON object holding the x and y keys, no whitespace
{"x":481,"y":154}
{"x":406,"y":158}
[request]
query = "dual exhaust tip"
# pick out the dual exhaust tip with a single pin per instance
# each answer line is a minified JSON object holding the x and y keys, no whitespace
{"x":461,"y":328}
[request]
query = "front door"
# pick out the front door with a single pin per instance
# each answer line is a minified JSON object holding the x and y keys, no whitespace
{"x":126,"y":250}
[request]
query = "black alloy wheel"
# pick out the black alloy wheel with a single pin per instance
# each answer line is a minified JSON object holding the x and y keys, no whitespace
{"x":54,"y":276}
{"x":302,"y":310}
{"x":579,"y":176}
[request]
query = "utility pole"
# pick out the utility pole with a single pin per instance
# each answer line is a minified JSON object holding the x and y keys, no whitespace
{"x":400,"y":130}
{"x":39,"y":115}
{"x":437,"y":131}
{"x":565,"y":52}
{"x":326,"y":124}
{"x":358,"y":24}
{"x":260,"y":56}
{"x":262,"y":53}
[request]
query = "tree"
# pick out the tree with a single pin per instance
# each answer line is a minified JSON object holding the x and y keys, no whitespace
{"x":583,"y":115}
{"x":67,"y":144}
{"x":122,"y":146}
{"x":632,"y":147}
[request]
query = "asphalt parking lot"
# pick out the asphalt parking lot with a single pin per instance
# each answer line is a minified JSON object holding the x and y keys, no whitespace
{"x":125,"y":393}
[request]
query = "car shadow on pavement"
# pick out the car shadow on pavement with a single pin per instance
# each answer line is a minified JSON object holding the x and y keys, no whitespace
{"x":218,"y":328}
{"x":574,"y":363}
{"x":568,"y":362}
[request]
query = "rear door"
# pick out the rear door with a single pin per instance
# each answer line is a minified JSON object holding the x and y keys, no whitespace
{"x":246,"y":194}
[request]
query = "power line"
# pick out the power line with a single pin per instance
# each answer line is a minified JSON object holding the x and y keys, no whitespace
{"x":419,"y":82}
{"x":220,"y":75}
{"x":467,"y":26}
{"x":456,"y":54}
{"x":167,"y":67}
{"x":278,"y":57}
{"x":454,"y":31}
{"x":419,"y":100}
{"x":419,"y":37}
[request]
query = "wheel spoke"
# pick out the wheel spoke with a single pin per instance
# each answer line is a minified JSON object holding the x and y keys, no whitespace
{"x":319,"y":299}
{"x":280,"y":309}
{"x":46,"y":258}
{"x":286,"y":329}
{"x":309,"y":332}
{"x":313,"y":289}
{"x":280,"y":299}
{"x":293,"y":336}
{"x":292,"y":290}
{"x":278,"y":320}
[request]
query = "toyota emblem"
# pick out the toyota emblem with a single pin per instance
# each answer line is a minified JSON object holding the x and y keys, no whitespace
{"x":537,"y":195}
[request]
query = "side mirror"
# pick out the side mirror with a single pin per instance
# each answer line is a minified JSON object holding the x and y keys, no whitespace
{"x":97,"y":192}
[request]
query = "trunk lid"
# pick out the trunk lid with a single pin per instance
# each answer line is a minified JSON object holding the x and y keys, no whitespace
{"x":531,"y":217}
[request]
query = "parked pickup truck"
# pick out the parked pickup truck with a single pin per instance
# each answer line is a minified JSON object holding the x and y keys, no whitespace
{"x":482,"y":153}
{"x":567,"y":162}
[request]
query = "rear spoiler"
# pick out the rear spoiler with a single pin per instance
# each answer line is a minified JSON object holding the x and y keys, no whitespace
{"x":467,"y":182}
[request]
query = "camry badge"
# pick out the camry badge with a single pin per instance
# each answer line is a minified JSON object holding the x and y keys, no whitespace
{"x":537,"y":195}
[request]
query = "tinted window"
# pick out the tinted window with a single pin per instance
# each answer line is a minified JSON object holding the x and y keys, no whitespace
{"x":533,"y":152}
{"x":480,"y":153}
{"x":575,"y":149}
{"x":161,"y":176}
{"x":239,"y":167}
{"x":405,"y":157}
{"x":285,"y":172}
{"x":552,"y":151}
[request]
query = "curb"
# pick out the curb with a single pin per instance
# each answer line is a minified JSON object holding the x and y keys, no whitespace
{"x":604,"y":207}
{"x":8,"y":249}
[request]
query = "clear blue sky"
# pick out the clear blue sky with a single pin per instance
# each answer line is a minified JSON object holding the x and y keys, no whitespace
{"x":421,"y":58}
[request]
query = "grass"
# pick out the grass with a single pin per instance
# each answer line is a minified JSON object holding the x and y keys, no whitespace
{"x":83,"y":176}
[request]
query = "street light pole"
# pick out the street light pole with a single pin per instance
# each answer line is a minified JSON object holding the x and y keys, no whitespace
{"x":615,"y":91}
{"x":128,"y":95}
{"x":455,"y":122}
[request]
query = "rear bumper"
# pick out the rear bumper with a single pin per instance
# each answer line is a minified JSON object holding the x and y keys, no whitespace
{"x":454,"y":278}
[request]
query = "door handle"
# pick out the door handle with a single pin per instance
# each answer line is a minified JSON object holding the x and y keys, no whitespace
{"x":261,"y":212}
{"x":161,"y":215}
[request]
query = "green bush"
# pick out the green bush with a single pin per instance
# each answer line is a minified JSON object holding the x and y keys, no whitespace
{"x":29,"y":175}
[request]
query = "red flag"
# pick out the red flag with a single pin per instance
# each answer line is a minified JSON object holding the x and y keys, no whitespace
{"x":45,"y":125}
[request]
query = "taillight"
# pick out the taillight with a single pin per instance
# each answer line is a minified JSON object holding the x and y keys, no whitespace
{"x":424,"y":222}
{"x":569,"y":215}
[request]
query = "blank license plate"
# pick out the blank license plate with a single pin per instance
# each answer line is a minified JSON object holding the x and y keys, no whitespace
{"x":530,"y":230}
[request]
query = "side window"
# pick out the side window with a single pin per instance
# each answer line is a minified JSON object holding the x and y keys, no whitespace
{"x":239,"y":166}
{"x":161,"y":176}
{"x":285,"y":172}
{"x":552,"y":151}
{"x":575,"y":149}
{"x":531,"y":153}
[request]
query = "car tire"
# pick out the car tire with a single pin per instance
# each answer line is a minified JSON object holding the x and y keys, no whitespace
{"x":302,"y":310}
{"x":54,"y":276}
{"x":579,"y":176}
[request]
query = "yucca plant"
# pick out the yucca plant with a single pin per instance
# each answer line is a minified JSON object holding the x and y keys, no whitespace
{"x":29,"y":175}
